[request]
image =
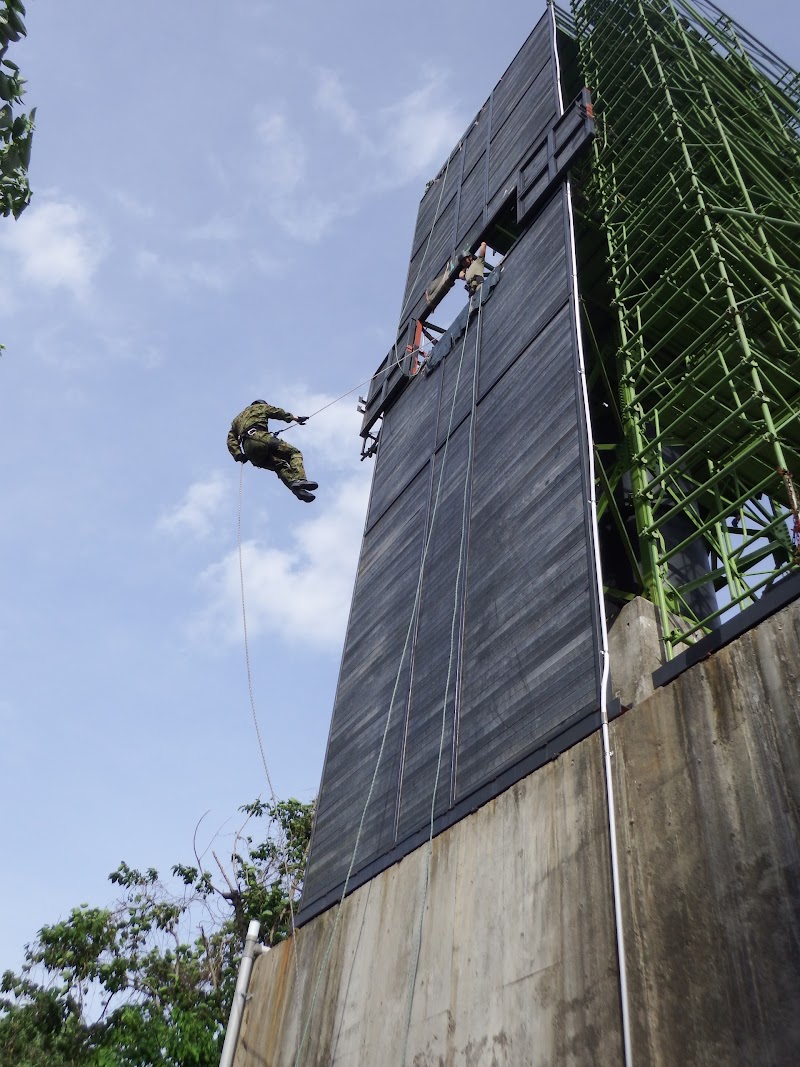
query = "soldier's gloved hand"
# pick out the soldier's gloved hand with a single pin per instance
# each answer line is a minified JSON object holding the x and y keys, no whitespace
{"x":240,"y":457}
{"x":301,"y":419}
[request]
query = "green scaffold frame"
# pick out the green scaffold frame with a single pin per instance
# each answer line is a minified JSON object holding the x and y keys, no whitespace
{"x":694,"y":184}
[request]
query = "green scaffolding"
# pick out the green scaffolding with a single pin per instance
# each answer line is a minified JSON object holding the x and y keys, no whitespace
{"x":692,"y":195}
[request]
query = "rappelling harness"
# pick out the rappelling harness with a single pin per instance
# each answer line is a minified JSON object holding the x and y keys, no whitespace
{"x":262,"y":427}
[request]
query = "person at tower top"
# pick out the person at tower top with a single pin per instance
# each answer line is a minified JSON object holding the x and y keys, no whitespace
{"x":474,"y":269}
{"x":250,"y":438}
{"x":473,"y":265}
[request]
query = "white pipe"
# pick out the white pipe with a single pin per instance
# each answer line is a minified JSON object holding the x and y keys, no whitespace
{"x":612,"y":820}
{"x":251,"y":950}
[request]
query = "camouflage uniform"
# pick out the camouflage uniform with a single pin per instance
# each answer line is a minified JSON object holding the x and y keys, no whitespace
{"x":438,"y":285}
{"x":250,"y":430}
{"x":473,"y":276}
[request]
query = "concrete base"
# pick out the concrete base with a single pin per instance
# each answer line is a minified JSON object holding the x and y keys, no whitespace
{"x":634,"y":644}
{"x":707,"y":782}
{"x":518,"y":964}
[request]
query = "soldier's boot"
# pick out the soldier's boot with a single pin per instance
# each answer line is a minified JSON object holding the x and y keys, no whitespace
{"x":303,"y":483}
{"x":303,"y":494}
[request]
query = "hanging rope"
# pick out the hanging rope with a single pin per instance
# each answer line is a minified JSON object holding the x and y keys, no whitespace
{"x":283,"y":838}
{"x":273,"y":795}
{"x":330,"y":403}
{"x":429,"y":851}
{"x":428,"y":539}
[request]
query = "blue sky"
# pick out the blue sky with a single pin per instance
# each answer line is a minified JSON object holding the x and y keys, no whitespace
{"x":224,"y":198}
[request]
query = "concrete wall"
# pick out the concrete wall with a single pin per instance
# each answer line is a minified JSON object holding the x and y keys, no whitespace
{"x":707,"y":780}
{"x":518,"y":960}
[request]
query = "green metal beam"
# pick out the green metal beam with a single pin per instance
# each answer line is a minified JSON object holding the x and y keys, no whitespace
{"x":695,"y":179}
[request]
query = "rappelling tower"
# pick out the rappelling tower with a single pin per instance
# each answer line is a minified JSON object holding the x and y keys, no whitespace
{"x":558,"y":817}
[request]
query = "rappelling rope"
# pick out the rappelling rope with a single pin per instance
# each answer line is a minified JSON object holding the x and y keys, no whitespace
{"x":382,"y":370}
{"x":283,"y":837}
{"x":429,"y":851}
{"x":414,"y":608}
{"x":324,"y":407}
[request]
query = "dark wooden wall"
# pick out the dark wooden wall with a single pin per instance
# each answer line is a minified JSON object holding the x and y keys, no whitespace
{"x":479,"y":502}
{"x":481,"y":173}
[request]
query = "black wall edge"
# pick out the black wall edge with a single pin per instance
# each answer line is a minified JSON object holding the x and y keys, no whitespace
{"x":588,"y":724}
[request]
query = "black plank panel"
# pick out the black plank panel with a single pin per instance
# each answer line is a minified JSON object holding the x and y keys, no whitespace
{"x":432,"y":697}
{"x":533,"y":285}
{"x":390,"y":561}
{"x":431,"y":257}
{"x":470,"y":210}
{"x":407,"y":440}
{"x":512,"y":142}
{"x":524,"y":669}
{"x":437,"y":196}
{"x":457,"y":373}
{"x":529,"y":618}
{"x":475,"y":139}
{"x":522,"y":71}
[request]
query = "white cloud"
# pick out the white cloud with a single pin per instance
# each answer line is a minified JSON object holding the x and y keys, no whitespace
{"x":311,"y":580}
{"x":215,"y":229}
{"x":390,"y":146}
{"x":421,"y":130}
{"x":257,"y":10}
{"x":178,"y":277}
{"x":311,"y":219}
{"x":132,"y":206}
{"x":16,"y":740}
{"x":130,"y":348}
{"x":56,"y":246}
{"x":56,"y":346}
{"x":197,"y":513}
{"x":283,"y":156}
{"x":330,"y":99}
{"x":284,"y":185}
{"x":265,"y":263}
{"x":413,"y":134}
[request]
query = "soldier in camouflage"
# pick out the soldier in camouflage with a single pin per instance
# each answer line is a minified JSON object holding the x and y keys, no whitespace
{"x":250,"y":438}
{"x":474,"y":269}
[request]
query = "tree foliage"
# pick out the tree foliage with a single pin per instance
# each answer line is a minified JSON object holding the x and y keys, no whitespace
{"x":149,"y":980}
{"x":16,"y":129}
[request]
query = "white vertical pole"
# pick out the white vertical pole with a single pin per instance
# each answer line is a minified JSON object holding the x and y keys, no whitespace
{"x":612,"y":820}
{"x":251,"y":950}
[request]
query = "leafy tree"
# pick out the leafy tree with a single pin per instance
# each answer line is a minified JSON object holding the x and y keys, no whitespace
{"x":149,"y":980}
{"x":16,"y":131}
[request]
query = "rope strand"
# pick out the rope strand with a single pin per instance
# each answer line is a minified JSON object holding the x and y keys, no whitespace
{"x":429,"y":852}
{"x":283,"y":837}
{"x":427,"y":543}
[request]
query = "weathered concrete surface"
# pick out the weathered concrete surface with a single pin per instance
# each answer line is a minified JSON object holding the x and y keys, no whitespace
{"x":517,"y":964}
{"x":707,"y":780}
{"x":634,"y":645}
